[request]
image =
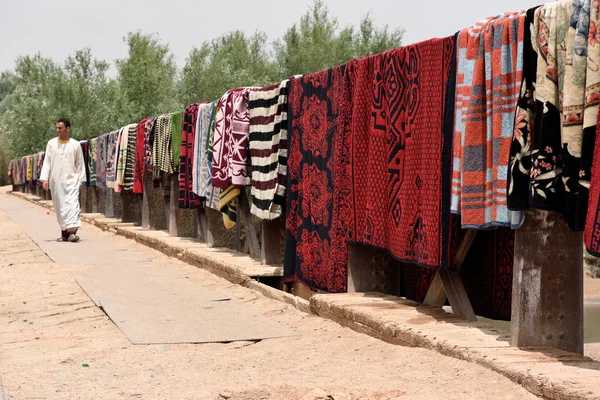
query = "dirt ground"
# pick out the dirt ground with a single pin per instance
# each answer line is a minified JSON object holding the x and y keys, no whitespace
{"x":56,"y":344}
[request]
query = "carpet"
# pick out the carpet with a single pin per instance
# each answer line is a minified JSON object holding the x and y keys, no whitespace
{"x":318,"y":193}
{"x":401,"y":152}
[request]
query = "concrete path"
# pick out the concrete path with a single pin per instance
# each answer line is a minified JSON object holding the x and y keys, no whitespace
{"x":56,"y":344}
{"x":41,"y":226}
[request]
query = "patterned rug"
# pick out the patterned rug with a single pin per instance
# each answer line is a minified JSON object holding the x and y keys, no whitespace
{"x":319,"y":203}
{"x":187,"y":199}
{"x":111,"y":158}
{"x":401,"y":153}
{"x":554,"y":136}
{"x":231,"y":158}
{"x":92,"y":160}
{"x":101,"y":144}
{"x":141,"y":134}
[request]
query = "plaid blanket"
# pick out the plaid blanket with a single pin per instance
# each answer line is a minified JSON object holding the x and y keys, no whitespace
{"x":489,"y":75}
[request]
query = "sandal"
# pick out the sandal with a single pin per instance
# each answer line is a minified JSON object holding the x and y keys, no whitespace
{"x":73,"y":238}
{"x":62,"y":239}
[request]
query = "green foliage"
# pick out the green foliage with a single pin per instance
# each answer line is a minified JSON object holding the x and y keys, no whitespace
{"x":147,"y":78}
{"x":230,"y":61}
{"x":90,"y":101}
{"x":7,"y":86}
{"x":39,"y":91}
{"x":29,"y":110}
{"x":317,"y":43}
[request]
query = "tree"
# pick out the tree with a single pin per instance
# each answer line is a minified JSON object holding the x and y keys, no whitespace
{"x":373,"y":40}
{"x":317,"y":43}
{"x":230,"y":61}
{"x":147,"y":78}
{"x":43,"y":91}
{"x":30,"y":109}
{"x":89,"y":97}
{"x":7,"y":86}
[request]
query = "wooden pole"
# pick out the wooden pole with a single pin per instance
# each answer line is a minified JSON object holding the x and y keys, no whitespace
{"x":436,"y":296}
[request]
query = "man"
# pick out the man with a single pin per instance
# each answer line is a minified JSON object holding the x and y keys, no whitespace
{"x":63,"y":172}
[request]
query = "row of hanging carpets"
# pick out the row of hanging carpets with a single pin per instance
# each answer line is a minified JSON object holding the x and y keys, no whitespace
{"x":26,"y":170}
{"x":369,"y":162}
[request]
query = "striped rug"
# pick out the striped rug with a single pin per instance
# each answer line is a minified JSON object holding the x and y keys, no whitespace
{"x":268,"y":148}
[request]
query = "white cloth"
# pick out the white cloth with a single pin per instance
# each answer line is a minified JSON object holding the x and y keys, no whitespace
{"x":64,"y":169}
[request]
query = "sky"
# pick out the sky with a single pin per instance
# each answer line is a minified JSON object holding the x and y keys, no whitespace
{"x":56,"y":28}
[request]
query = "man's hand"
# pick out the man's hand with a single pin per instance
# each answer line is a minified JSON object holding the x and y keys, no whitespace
{"x":45,"y":185}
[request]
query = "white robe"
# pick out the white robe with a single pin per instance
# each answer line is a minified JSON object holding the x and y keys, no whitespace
{"x":64,"y":169}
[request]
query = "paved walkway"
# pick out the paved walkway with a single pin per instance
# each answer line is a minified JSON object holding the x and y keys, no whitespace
{"x":56,"y":344}
{"x":41,"y":226}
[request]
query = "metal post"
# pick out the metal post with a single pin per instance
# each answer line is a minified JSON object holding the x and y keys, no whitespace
{"x":547,"y":302}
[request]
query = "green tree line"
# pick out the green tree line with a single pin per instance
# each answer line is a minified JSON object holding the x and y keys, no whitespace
{"x":148,"y":82}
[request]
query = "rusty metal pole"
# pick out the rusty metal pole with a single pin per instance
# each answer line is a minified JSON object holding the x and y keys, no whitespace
{"x":547,"y":298}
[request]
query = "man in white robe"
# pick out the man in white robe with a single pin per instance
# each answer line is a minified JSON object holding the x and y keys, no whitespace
{"x":63,"y":172}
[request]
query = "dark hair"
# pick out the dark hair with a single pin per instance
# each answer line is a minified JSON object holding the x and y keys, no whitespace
{"x":64,"y":121}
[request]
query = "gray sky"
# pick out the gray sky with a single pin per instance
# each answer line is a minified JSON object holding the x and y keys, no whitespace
{"x":56,"y":28}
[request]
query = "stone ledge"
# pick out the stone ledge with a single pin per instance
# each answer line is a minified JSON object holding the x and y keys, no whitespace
{"x":545,"y":372}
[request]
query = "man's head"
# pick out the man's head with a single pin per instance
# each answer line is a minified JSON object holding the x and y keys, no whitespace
{"x":63,"y":127}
